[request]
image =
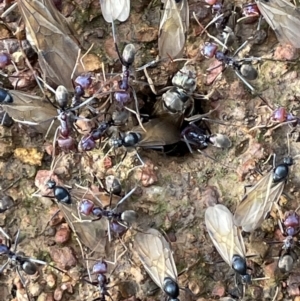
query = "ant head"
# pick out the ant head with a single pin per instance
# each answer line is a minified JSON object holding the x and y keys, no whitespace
{"x":100,"y":267}
{"x":6,"y":202}
{"x":29,"y":267}
{"x":248,"y":71}
{"x":286,"y":262}
{"x":79,"y":91}
{"x":246,"y":278}
{"x":171,"y":288}
{"x":220,"y":141}
{"x":209,"y":50}
{"x":288,"y":161}
{"x":113,"y":185}
{"x":239,"y":265}
{"x":51,"y":184}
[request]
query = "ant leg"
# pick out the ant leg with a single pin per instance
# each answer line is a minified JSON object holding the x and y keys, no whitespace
{"x":22,"y":280}
{"x":4,"y":266}
{"x":187,"y":144}
{"x":108,"y":230}
{"x":139,"y":166}
{"x":209,"y":35}
{"x":16,"y":241}
{"x":9,"y":10}
{"x":150,"y":81}
{"x":253,"y":91}
{"x":126,"y":197}
{"x":50,"y":219}
{"x":151,"y":64}
{"x":276,"y":294}
{"x":124,"y":156}
{"x":197,"y":117}
{"x":137,"y":113}
{"x":116,"y":258}
{"x":4,"y":233}
{"x":48,"y":131}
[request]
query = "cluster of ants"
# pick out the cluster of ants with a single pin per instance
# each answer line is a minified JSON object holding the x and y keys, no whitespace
{"x":172,"y":123}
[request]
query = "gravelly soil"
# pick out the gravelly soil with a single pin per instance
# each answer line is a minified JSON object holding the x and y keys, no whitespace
{"x":183,"y":186}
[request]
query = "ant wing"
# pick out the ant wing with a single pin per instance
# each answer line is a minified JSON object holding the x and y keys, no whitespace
{"x":45,"y":26}
{"x":115,"y":10}
{"x":173,"y":28}
{"x":61,"y":21}
{"x":24,"y":109}
{"x":283,"y":18}
{"x":156,"y":256}
{"x":159,"y":133}
{"x":257,"y":203}
{"x":224,"y":234}
{"x":90,"y":233}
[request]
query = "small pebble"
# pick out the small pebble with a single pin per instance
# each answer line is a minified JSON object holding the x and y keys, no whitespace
{"x":18,"y":283}
{"x":63,"y":234}
{"x":218,"y":290}
{"x":269,"y":270}
{"x":42,"y":297}
{"x":285,"y":52}
{"x":67,"y":287}
{"x":58,"y":294}
{"x":64,"y":257}
{"x":194,"y":287}
{"x":51,"y":280}
{"x":35,"y":289}
{"x":257,"y":292}
{"x":50,"y":232}
{"x":56,"y":217}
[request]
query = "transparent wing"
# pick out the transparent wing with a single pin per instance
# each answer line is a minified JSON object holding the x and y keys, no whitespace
{"x":115,"y":10}
{"x":257,"y":203}
{"x":92,"y":234}
{"x":61,"y":22}
{"x":184,"y":13}
{"x":223,"y":233}
{"x":283,"y":18}
{"x":49,"y":34}
{"x":156,"y":256}
{"x":123,"y":16}
{"x":159,"y":133}
{"x":173,"y":28}
{"x":25,"y":106}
